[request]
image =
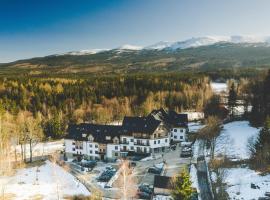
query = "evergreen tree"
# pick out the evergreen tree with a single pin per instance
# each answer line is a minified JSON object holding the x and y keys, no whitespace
{"x":213,"y":108}
{"x":232,"y":98}
{"x":182,"y":189}
{"x":261,"y":152}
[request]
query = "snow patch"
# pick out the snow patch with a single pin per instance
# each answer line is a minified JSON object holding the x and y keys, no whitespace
{"x":219,"y":87}
{"x":239,"y":184}
{"x":233,"y":140}
{"x":45,"y":180}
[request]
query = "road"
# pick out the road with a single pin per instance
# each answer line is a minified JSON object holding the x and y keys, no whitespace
{"x":203,"y":180}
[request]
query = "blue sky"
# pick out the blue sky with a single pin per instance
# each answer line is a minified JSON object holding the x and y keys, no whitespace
{"x":30,"y":28}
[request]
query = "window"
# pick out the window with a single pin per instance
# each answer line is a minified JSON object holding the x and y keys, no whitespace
{"x":90,"y":145}
{"x":155,"y":142}
{"x":175,"y":130}
{"x":96,"y":146}
{"x":96,"y":152}
{"x":108,"y":137}
{"x":166,"y":140}
{"x":73,"y":143}
{"x":116,"y":154}
{"x":91,"y":151}
{"x":181,"y":137}
{"x":175,"y":137}
{"x":131,"y":140}
{"x":73,"y":149}
{"x":171,"y":129}
{"x":131,"y":148}
{"x":159,"y":141}
{"x":116,"y":147}
{"x":181,"y":130}
{"x":159,"y":135}
{"x":155,"y":135}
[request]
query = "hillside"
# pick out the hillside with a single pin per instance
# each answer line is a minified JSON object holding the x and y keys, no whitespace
{"x":220,"y":55}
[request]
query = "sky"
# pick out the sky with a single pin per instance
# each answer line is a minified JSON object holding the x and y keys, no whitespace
{"x":30,"y":28}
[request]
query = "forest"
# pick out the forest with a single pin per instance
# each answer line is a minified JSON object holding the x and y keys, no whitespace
{"x":104,"y":99}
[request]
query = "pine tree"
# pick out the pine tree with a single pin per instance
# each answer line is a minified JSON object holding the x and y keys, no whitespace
{"x":182,"y":189}
{"x":261,"y":152}
{"x":232,"y":99}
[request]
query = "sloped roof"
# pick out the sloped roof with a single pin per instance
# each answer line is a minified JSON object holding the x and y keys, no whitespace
{"x":170,"y":117}
{"x":140,"y":124}
{"x":163,"y":182}
{"x":99,"y":132}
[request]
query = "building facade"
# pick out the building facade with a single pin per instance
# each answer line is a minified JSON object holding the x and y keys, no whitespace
{"x":136,"y":136}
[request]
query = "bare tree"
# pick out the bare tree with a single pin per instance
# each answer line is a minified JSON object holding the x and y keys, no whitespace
{"x":211,"y":132}
{"x":126,"y":181}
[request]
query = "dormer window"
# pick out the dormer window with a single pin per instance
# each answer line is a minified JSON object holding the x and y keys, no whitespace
{"x":108,"y":137}
{"x":84,"y":135}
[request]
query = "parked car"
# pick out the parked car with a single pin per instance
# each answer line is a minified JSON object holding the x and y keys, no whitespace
{"x":145,"y":191}
{"x":154,"y":170}
{"x":173,"y":147}
{"x":107,"y":174}
{"x":146,"y":188}
{"x":89,"y":164}
{"x":132,"y":164}
{"x":143,"y":195}
{"x":186,"y":153}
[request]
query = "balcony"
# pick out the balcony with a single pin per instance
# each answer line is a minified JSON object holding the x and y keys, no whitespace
{"x":141,"y":144}
{"x":124,"y":142}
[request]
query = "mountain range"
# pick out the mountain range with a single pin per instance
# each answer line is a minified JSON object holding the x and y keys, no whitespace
{"x":203,"y":53}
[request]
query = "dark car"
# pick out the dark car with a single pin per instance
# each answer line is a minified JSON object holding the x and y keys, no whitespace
{"x":145,"y":188}
{"x":143,"y":195}
{"x":107,"y":174}
{"x":154,"y":170}
{"x":89,"y":164}
{"x":132,"y":164}
{"x":186,"y":154}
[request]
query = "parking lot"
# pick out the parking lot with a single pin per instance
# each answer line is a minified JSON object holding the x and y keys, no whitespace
{"x":173,"y":165}
{"x":170,"y":162}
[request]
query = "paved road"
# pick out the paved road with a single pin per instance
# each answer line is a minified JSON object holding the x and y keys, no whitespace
{"x":205,"y":190}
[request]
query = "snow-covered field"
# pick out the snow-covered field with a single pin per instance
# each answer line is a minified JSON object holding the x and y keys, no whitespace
{"x":195,"y":126}
{"x":219,"y":87}
{"x":239,"y":181}
{"x":43,"y":148}
{"x":43,"y":182}
{"x":234,"y":139}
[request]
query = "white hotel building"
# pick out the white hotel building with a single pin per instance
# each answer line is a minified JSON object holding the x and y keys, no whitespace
{"x":136,"y":136}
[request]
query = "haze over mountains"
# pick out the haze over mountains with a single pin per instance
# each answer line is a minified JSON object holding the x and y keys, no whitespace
{"x":202,"y":53}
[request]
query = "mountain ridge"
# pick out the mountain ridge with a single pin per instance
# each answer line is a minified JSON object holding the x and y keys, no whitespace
{"x":216,"y":56}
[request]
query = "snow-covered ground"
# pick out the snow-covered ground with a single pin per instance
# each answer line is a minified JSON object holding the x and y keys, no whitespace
{"x":239,"y":181}
{"x":195,"y":126}
{"x":234,"y":139}
{"x":43,"y":148}
{"x":194,"y":116}
{"x":194,"y":179}
{"x":219,"y":87}
{"x":43,"y":181}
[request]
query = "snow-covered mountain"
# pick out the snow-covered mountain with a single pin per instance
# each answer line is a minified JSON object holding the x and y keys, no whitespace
{"x":189,"y":43}
{"x":130,"y":47}
{"x":208,"y":40}
{"x":84,"y":52}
